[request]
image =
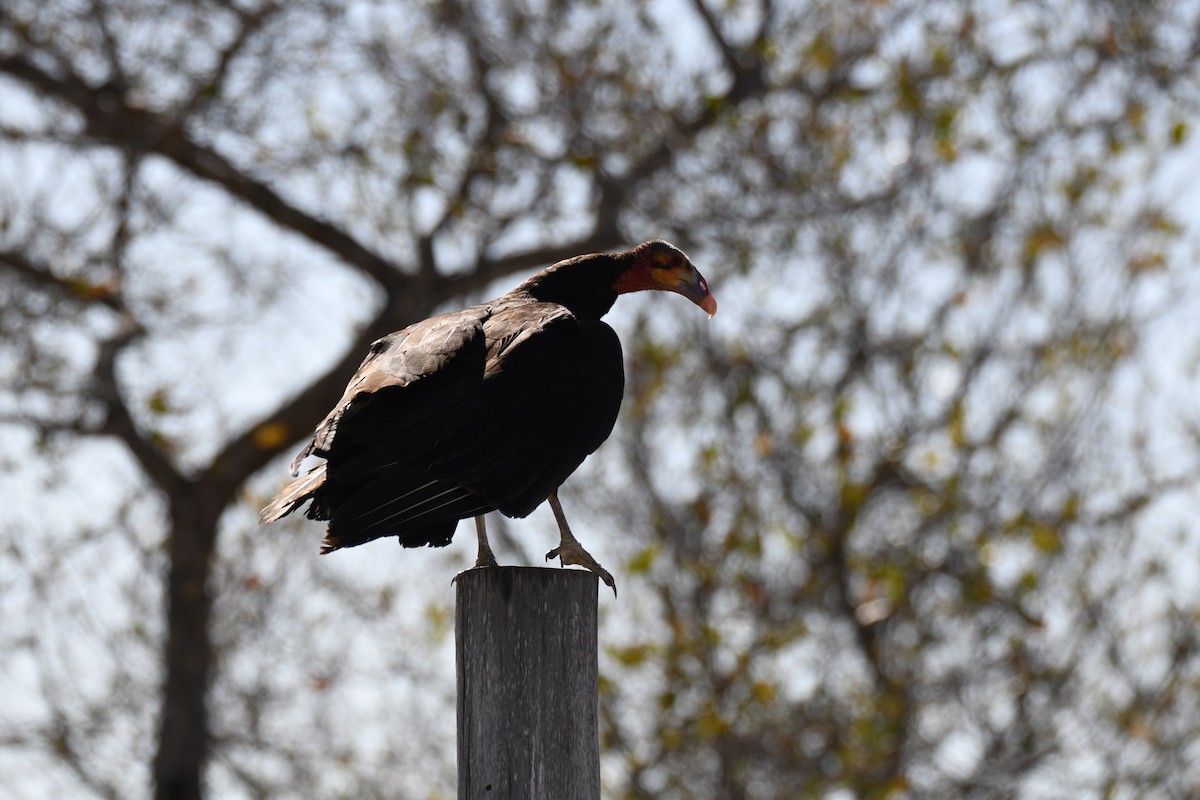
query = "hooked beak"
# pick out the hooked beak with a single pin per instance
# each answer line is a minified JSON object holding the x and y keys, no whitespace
{"x":695,"y":288}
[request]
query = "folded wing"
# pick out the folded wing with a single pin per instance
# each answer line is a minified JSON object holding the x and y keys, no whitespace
{"x":488,"y":408}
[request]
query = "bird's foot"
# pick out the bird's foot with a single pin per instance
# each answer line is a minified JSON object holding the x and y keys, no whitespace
{"x":570,"y":551}
{"x":483,"y":561}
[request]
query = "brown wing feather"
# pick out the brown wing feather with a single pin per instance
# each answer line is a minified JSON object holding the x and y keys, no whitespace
{"x":408,"y":389}
{"x":418,"y":353}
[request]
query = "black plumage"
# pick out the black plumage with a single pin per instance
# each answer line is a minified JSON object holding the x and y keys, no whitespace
{"x":487,"y":408}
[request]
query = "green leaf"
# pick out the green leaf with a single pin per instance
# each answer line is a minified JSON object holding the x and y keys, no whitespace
{"x":643,"y":560}
{"x":157,"y":404}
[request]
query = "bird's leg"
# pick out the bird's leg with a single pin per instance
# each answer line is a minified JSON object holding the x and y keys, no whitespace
{"x":485,"y":558}
{"x":570,"y":551}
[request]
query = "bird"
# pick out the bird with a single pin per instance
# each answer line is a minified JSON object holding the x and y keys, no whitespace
{"x":489,"y":408}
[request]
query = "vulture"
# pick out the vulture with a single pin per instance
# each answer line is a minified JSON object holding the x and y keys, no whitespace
{"x":485,"y":409}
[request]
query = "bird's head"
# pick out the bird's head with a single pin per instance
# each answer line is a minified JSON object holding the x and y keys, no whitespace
{"x":662,"y":266}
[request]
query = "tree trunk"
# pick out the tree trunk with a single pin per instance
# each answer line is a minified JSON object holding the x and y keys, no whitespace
{"x":183,"y":732}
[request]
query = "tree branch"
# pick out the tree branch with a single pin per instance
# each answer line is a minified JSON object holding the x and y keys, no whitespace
{"x":109,"y":118}
{"x":252,"y":23}
{"x":119,"y":421}
{"x":72,"y":290}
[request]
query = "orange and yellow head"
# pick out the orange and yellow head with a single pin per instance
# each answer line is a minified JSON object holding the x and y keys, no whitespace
{"x":662,"y":266}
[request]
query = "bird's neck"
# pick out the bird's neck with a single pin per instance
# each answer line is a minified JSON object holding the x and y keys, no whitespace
{"x":584,"y":284}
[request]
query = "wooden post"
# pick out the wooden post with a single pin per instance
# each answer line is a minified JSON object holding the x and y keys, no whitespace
{"x":525,"y":645}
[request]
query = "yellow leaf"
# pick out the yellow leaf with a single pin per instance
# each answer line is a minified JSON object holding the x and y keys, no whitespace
{"x":158,"y":402}
{"x":764,"y":691}
{"x":1070,"y":509}
{"x":633,"y":655}
{"x":822,"y":52}
{"x":642,"y":562}
{"x":1045,"y":538}
{"x":855,"y":494}
{"x":1042,"y":239}
{"x":710,"y":726}
{"x":957,"y":435}
{"x":270,"y":435}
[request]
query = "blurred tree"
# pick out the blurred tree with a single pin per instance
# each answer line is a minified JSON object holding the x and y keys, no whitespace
{"x":886,"y":504}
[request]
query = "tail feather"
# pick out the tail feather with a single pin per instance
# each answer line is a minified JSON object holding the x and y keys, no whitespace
{"x":425,"y":514}
{"x":387,"y":506}
{"x":293,"y":495}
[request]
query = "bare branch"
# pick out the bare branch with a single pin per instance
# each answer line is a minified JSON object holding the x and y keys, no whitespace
{"x":119,"y":421}
{"x":110,"y":118}
{"x":252,"y":22}
{"x":75,"y":291}
{"x":732,"y":58}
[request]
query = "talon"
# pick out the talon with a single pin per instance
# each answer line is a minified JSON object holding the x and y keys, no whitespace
{"x":608,"y":579}
{"x":568,"y":553}
{"x":484,"y":561}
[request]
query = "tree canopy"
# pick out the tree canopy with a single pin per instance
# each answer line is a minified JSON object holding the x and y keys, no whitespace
{"x":909,"y":517}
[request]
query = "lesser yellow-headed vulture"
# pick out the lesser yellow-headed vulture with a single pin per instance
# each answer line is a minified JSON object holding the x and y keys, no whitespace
{"x":486,"y":409}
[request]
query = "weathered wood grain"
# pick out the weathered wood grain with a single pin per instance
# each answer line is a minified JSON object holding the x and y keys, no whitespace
{"x":525,"y":642}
